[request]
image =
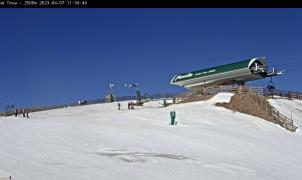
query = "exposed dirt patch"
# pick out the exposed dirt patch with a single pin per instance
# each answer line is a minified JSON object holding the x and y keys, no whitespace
{"x":193,"y":98}
{"x":244,"y":104}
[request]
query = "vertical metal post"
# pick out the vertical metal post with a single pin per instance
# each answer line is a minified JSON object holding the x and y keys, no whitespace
{"x":138,"y":97}
{"x":172,"y":117}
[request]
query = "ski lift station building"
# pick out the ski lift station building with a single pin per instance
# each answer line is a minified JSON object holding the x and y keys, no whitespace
{"x":228,"y":74}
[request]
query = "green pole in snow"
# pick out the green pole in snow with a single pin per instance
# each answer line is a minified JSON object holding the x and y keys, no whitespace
{"x":172,"y":117}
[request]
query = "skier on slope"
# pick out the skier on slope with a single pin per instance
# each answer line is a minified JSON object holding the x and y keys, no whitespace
{"x":165,"y":103}
{"x":16,"y":112}
{"x":27,"y":112}
{"x":23,"y":112}
{"x":119,"y":106}
{"x":132,"y":105}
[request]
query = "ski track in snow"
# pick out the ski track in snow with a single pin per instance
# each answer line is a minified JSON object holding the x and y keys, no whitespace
{"x":133,"y":157}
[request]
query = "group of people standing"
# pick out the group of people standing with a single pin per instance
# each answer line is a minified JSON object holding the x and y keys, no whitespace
{"x":24,"y":112}
{"x":130,"y":105}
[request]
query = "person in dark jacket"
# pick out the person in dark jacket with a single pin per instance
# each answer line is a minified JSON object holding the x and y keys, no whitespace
{"x":16,"y":112}
{"x":27,"y":112}
{"x":119,"y":106}
{"x":165,"y":103}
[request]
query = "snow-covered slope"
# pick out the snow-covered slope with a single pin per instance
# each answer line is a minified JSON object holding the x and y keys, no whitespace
{"x":220,"y":97}
{"x":290,"y":108}
{"x":100,"y":142}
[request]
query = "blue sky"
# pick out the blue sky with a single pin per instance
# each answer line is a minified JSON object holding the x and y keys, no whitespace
{"x":55,"y":56}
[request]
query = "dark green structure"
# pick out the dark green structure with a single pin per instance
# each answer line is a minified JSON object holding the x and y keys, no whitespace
{"x":234,"y":73}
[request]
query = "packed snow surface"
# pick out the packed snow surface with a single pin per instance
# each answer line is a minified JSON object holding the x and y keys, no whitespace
{"x":290,"y":108}
{"x":100,"y":142}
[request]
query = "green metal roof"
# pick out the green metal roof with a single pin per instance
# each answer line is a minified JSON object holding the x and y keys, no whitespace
{"x":211,"y":71}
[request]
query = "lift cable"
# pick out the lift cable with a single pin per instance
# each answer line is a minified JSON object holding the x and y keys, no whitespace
{"x":294,"y":69}
{"x":289,"y":63}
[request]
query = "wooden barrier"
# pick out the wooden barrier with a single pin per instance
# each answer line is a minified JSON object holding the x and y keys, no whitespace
{"x":282,"y":120}
{"x":89,"y":102}
{"x":286,"y":94}
{"x":258,"y":95}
